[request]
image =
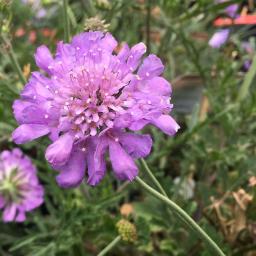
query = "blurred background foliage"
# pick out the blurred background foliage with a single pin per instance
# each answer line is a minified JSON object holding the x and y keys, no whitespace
{"x":208,"y":168}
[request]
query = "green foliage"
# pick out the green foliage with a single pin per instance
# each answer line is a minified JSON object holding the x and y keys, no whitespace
{"x":215,"y":146}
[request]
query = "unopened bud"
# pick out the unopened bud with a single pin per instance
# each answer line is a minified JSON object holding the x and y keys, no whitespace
{"x":127,"y":231}
{"x":95,"y":24}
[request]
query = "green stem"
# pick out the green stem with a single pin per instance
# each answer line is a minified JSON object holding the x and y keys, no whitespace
{"x":157,"y":183}
{"x":14,"y":60}
{"x":153,"y":178}
{"x":183,"y":216}
{"x":244,"y":89}
{"x":110,"y":246}
{"x":148,"y":19}
{"x":66,"y":21}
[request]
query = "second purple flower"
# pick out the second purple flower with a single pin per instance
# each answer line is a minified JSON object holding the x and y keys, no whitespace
{"x":90,"y":103}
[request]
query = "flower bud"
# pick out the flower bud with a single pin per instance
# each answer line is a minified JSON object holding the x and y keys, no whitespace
{"x":127,"y":231}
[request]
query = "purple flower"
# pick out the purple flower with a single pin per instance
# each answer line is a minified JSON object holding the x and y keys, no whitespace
{"x":219,"y":38}
{"x":231,"y":10}
{"x":90,"y":103}
{"x":247,"y":64}
{"x":20,"y":191}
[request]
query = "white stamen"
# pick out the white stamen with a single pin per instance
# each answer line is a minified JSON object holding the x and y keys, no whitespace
{"x":46,"y":116}
{"x":93,"y":132}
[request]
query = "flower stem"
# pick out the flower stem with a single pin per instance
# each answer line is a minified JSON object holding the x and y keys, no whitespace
{"x":183,"y":216}
{"x":13,"y":59}
{"x":66,"y":21}
{"x":148,"y":19}
{"x":244,"y":89}
{"x":153,"y":178}
{"x":110,"y":246}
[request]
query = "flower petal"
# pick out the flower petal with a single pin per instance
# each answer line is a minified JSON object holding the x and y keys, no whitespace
{"x":9,"y":213}
{"x":151,"y":66}
{"x":123,"y":165}
{"x":31,"y":114}
{"x":135,"y":55}
{"x":158,"y":86}
{"x":138,"y":125}
{"x":21,"y":216}
{"x":43,"y":58}
{"x":34,"y":198}
{"x":28,"y":132}
{"x":72,"y":174}
{"x":136,"y":145}
{"x":37,"y":88}
{"x":123,"y":53}
{"x":58,"y":153}
{"x":96,"y":161}
{"x":18,"y":107}
{"x":108,"y":42}
{"x":167,"y":124}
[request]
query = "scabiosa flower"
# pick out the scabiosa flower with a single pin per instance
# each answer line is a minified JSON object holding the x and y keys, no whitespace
{"x":90,"y":102}
{"x":20,"y":191}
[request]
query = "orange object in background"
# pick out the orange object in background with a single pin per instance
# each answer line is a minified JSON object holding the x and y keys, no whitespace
{"x":242,"y":20}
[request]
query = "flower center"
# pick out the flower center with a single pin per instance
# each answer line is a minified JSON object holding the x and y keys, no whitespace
{"x":12,"y":185}
{"x":93,"y":102}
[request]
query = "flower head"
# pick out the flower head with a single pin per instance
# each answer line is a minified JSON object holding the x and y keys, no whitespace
{"x":90,"y":102}
{"x":20,"y":191}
